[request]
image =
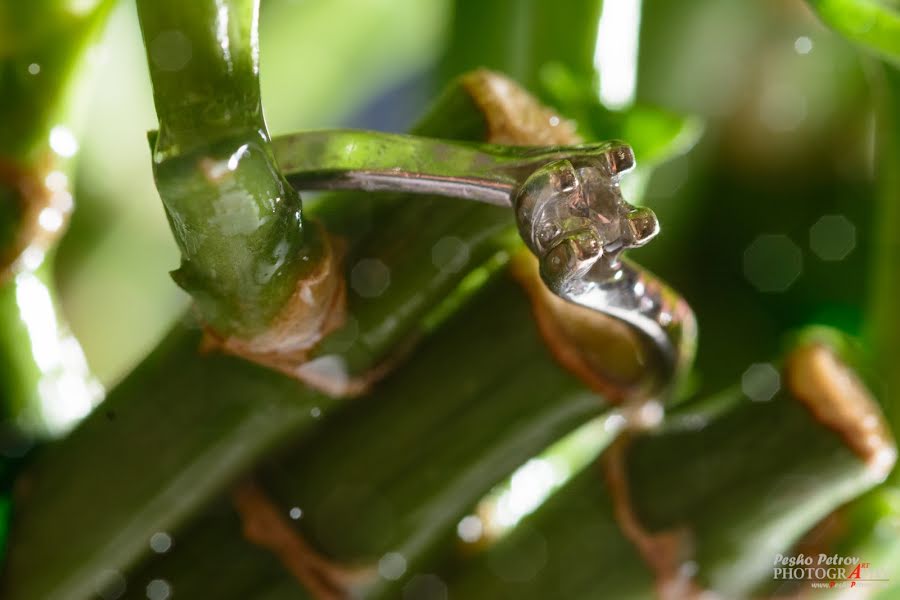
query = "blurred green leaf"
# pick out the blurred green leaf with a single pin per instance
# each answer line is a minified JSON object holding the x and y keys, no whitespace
{"x":655,"y":134}
{"x":874,"y":24}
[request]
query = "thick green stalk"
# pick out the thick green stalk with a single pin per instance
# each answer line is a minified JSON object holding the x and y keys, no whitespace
{"x":167,"y":439}
{"x":570,"y":548}
{"x":730,"y":482}
{"x":775,"y":470}
{"x":213,"y":417}
{"x":236,"y":220}
{"x":430,"y":443}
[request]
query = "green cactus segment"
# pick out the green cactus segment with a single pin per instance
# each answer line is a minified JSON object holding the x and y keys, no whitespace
{"x":873,"y":24}
{"x":236,"y":220}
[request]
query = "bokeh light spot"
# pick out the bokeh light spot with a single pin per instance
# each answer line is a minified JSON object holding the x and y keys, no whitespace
{"x":803,"y":45}
{"x":170,"y":50}
{"x":772,"y":263}
{"x":158,"y":589}
{"x":370,"y":278}
{"x":425,"y":587}
{"x":392,"y":566}
{"x":470,"y":529}
{"x":160,"y":542}
{"x":832,"y":237}
{"x":760,"y":382}
{"x":450,"y":253}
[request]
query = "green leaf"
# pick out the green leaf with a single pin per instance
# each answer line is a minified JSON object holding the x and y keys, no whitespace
{"x":655,"y":134}
{"x":873,"y":24}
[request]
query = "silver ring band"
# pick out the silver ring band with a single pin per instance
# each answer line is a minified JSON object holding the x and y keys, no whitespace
{"x":567,"y":205}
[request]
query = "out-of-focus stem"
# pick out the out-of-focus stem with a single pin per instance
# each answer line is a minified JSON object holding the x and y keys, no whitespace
{"x":45,"y":386}
{"x":522,"y":38}
{"x":236,"y":220}
{"x":42,"y":46}
{"x":884,"y":316}
{"x":707,"y":500}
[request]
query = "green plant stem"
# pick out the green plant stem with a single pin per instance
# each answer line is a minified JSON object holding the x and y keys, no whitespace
{"x":167,"y":439}
{"x":523,"y":38}
{"x":44,"y":42}
{"x":884,"y":320}
{"x":236,"y":220}
{"x":472,"y":431}
{"x":191,"y":424}
{"x":42,"y":54}
{"x":45,"y":385}
{"x":741,"y":481}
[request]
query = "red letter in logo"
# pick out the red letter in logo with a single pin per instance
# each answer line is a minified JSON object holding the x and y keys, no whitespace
{"x":855,"y":573}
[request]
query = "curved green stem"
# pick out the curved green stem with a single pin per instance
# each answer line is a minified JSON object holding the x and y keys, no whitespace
{"x":42,"y":45}
{"x":236,"y":220}
{"x":45,"y":386}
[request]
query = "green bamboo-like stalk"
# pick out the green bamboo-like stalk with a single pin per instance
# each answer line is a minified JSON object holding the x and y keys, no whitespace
{"x":744,"y":479}
{"x":215,"y":417}
{"x":571,"y":547}
{"x":236,"y":220}
{"x":430,"y":442}
{"x":736,"y":481}
{"x":166,"y":440}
